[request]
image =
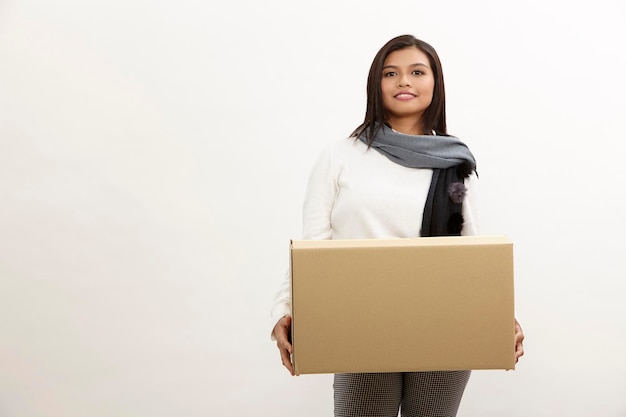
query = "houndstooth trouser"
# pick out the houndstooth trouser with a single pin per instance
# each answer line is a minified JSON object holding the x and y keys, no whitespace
{"x":416,"y":394}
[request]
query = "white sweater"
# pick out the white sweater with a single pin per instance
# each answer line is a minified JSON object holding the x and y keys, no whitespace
{"x":357,"y":193}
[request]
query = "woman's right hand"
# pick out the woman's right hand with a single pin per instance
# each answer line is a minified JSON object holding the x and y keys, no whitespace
{"x":281,"y":331}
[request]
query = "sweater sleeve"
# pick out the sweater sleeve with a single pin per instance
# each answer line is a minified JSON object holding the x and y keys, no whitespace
{"x":317,"y":208}
{"x":319,"y":199}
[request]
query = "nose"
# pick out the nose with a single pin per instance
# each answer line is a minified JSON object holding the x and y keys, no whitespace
{"x":404,"y":81}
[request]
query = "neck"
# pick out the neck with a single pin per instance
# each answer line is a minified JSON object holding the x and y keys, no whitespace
{"x":408,"y":127}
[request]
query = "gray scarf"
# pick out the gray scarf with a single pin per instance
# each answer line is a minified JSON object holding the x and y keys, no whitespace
{"x":451,"y":162}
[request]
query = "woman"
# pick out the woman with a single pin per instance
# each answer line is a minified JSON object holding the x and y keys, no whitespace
{"x":401,"y":175}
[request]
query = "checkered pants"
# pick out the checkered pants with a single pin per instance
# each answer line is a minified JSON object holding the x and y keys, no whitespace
{"x":416,"y":394}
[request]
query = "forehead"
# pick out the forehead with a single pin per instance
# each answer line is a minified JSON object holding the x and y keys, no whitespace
{"x":407,"y":56}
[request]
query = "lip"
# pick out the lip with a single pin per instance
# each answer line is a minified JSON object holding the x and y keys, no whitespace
{"x":405,"y":95}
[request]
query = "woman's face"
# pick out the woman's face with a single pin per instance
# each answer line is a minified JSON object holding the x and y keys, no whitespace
{"x":407,"y":85}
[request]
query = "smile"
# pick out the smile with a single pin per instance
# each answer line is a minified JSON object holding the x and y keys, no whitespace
{"x":405,"y":96}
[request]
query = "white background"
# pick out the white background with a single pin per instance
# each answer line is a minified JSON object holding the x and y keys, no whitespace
{"x":153,"y":157}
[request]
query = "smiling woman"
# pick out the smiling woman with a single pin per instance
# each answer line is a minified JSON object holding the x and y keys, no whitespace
{"x":399,"y":176}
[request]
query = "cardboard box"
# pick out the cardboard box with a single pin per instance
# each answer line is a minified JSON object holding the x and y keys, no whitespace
{"x":437,"y":303}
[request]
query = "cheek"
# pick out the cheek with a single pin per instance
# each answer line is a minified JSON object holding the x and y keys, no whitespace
{"x":386,"y":90}
{"x":431,"y":93}
{"x":430,"y":87}
{"x":385,"y":86}
{"x":386,"y":102}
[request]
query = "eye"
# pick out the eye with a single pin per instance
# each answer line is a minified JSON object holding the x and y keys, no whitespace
{"x":389,"y":74}
{"x":417,"y":72}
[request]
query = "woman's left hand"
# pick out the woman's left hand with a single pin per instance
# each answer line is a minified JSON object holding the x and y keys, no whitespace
{"x":519,"y":338}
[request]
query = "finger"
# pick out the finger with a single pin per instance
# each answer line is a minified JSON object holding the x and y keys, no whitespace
{"x":286,"y":350}
{"x":286,"y":360}
{"x":519,"y":333}
{"x":519,"y":351}
{"x":282,"y":341}
{"x":519,"y":339}
{"x":284,"y":345}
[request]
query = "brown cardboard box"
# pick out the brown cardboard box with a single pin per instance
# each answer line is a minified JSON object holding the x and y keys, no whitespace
{"x":437,"y":303}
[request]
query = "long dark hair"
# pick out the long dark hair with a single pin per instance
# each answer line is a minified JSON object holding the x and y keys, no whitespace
{"x":434,"y":118}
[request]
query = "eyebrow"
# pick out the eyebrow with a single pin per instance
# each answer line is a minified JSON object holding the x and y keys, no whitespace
{"x":418,"y":64}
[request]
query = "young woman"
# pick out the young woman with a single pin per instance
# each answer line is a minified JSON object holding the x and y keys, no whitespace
{"x":400,"y":175}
